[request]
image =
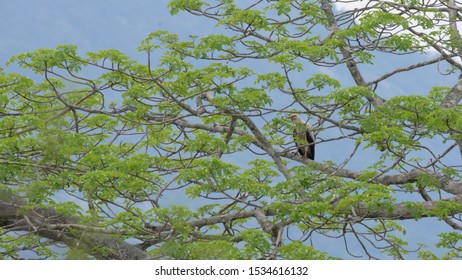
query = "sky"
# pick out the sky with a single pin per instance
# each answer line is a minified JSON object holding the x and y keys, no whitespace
{"x":119,"y":24}
{"x":92,"y":25}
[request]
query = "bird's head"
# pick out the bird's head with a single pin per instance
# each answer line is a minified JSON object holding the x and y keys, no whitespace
{"x":294,"y":117}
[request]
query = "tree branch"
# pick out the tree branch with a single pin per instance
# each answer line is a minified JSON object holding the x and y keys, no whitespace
{"x":49,"y":224}
{"x":448,"y":185}
{"x":347,"y":55}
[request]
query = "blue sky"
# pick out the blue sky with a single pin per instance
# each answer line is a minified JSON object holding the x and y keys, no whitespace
{"x":120,"y":24}
{"x":92,"y":25}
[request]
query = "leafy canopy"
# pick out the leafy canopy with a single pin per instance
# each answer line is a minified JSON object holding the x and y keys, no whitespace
{"x":189,"y":154}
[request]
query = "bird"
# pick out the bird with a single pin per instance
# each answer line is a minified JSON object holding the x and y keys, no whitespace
{"x":303,"y":136}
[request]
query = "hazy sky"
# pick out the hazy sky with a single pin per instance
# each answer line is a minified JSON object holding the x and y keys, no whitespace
{"x":92,"y":25}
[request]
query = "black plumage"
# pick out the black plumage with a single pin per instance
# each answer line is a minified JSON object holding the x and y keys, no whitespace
{"x":304,"y":137}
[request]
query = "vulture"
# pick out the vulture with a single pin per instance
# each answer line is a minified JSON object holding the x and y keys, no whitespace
{"x":304,"y":137}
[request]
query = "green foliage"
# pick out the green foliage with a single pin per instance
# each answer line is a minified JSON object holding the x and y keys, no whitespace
{"x":39,"y":61}
{"x":372,"y":196}
{"x":200,"y":250}
{"x":190,"y":154}
{"x":76,"y":254}
{"x":351,"y":98}
{"x":300,"y":251}
{"x":449,"y":240}
{"x":321,"y":80}
{"x":256,"y":245}
{"x":177,"y":5}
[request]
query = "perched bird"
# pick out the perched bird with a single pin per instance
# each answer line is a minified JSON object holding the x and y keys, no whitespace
{"x":304,"y":137}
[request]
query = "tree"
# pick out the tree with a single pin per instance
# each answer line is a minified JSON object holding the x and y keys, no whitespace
{"x":190,"y":153}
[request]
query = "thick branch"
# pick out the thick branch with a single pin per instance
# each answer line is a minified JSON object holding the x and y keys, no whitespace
{"x":267,"y":146}
{"x":402,"y":211}
{"x":452,"y":99}
{"x":49,"y":224}
{"x":448,"y":185}
{"x":348,"y":56}
{"x":399,"y":211}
